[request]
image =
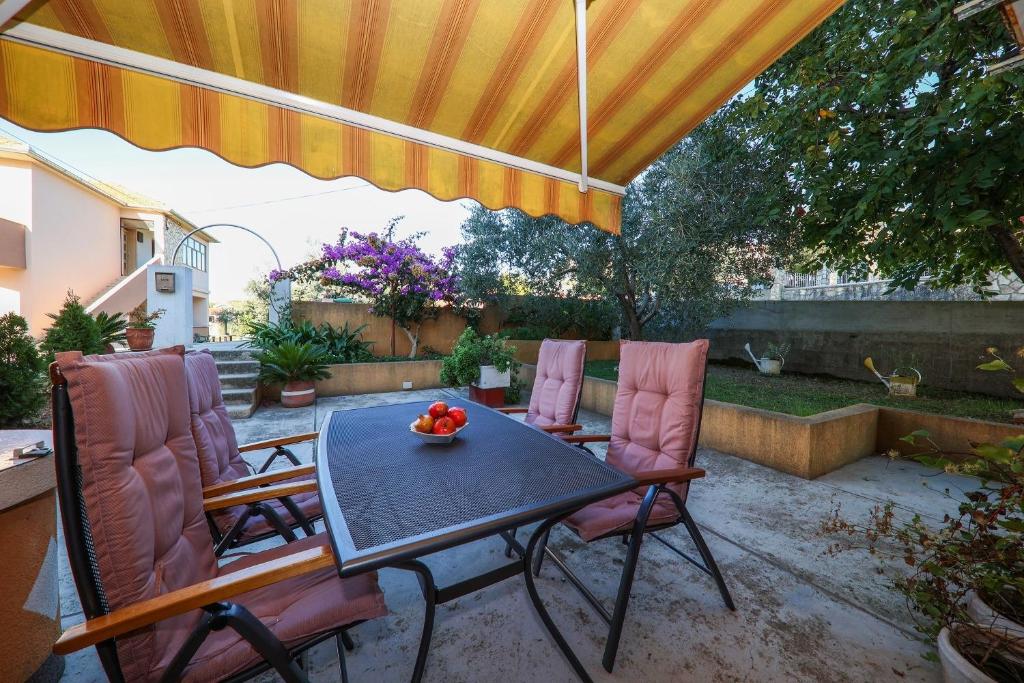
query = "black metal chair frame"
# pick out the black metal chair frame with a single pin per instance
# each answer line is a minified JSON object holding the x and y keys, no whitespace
{"x":231,"y":539}
{"x":217,"y":616}
{"x":633,"y":538}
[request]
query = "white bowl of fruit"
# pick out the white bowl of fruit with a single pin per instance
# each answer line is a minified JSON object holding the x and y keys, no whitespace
{"x":440,"y":424}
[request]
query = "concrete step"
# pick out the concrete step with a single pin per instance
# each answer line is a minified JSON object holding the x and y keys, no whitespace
{"x":221,"y":355}
{"x":240,"y":411}
{"x":246,"y":380}
{"x":239,"y":395}
{"x":237,"y":367}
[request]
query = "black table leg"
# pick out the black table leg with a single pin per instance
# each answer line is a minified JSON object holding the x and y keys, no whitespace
{"x":429,"y":589}
{"x":541,"y":532}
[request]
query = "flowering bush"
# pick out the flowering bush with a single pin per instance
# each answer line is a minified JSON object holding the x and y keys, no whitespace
{"x":400,"y":280}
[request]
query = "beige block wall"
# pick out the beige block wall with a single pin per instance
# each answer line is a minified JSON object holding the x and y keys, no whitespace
{"x":373,"y":378}
{"x":954,"y":434}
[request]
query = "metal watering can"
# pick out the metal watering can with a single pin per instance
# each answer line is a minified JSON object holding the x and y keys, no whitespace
{"x":766,"y":366}
{"x":899,"y":386}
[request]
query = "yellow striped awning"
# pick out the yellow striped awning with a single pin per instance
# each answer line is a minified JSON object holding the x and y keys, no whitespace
{"x":458,"y":98}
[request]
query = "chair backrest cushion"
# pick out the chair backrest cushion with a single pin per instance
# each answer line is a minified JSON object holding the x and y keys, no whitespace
{"x":556,"y":388}
{"x":219,"y":459}
{"x":656,"y":417}
{"x":140,"y":487}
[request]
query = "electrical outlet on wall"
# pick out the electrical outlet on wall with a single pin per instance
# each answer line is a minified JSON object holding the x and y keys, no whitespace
{"x":407,"y":384}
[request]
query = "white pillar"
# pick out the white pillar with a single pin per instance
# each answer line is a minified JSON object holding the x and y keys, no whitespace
{"x":175,"y":326}
{"x":280,"y":300}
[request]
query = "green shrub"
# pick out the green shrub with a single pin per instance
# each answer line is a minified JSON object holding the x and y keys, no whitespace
{"x":341,"y":345}
{"x":538,"y":317}
{"x":471,"y":351}
{"x":21,"y":374}
{"x":292,"y":362}
{"x":73,"y":330}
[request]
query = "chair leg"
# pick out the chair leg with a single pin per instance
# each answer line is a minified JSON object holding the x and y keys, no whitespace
{"x":346,"y":640}
{"x":542,"y":548}
{"x":611,"y":648}
{"x":342,"y":646}
{"x":508,"y":546}
{"x":296,"y":513}
{"x":709,"y":560}
{"x":188,"y":649}
{"x":228,"y":539}
{"x":429,"y":589}
{"x":275,"y":521}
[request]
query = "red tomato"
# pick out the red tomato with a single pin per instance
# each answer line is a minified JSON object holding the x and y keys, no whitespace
{"x":438,"y":409}
{"x":444,"y":426}
{"x":458,"y":415}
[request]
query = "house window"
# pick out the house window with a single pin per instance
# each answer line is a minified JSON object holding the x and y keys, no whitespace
{"x":194,"y":253}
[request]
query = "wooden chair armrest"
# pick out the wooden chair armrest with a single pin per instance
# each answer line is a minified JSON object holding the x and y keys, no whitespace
{"x":243,"y":483}
{"x":282,"y":441}
{"x":511,"y":410}
{"x":146,"y":612}
{"x":257,"y":494}
{"x":587,"y":438}
{"x":672,"y":476}
{"x":552,"y":429}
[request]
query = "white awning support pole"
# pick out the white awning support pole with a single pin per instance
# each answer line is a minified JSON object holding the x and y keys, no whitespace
{"x":8,"y":8}
{"x":581,"y":79}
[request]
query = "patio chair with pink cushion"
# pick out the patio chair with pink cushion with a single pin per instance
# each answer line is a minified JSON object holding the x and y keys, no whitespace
{"x":655,"y":429}
{"x":223,"y":469}
{"x":158,"y":606}
{"x":555,"y":398}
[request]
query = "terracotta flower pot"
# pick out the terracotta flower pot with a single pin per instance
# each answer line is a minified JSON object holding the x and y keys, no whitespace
{"x":298,"y":394}
{"x":140,"y":338}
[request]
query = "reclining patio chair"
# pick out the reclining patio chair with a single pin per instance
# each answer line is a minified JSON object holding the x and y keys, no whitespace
{"x":555,"y":399}
{"x":157,"y":604}
{"x":655,"y":428}
{"x":224,"y":471}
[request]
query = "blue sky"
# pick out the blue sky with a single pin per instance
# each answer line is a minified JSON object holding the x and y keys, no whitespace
{"x":292,"y":210}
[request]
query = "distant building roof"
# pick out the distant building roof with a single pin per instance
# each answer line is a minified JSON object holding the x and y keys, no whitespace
{"x":129,"y":199}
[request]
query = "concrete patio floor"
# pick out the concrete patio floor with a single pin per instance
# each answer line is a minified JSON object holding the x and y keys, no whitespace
{"x":802,"y":615}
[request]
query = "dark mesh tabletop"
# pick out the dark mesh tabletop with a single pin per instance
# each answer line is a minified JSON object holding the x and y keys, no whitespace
{"x":391,"y":487}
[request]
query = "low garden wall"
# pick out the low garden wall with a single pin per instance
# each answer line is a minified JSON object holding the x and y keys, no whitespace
{"x":810,"y":446}
{"x":945,"y":340}
{"x":373,"y":378}
{"x":527,"y":350}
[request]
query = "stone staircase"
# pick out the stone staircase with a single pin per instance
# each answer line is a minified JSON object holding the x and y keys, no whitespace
{"x":238,"y":372}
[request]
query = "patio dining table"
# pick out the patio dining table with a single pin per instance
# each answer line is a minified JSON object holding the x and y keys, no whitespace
{"x":390,"y":499}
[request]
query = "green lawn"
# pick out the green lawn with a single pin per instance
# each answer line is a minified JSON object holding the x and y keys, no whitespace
{"x":806,"y":395}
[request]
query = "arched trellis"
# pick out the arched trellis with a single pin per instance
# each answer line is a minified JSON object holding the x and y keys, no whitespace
{"x":174,"y":255}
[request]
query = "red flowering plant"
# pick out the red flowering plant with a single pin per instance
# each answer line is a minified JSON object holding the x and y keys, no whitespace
{"x":399,"y":279}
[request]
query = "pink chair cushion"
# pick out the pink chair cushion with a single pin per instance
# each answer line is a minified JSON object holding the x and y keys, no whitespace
{"x":141,"y":487}
{"x":655,"y":424}
{"x":617,"y":514}
{"x":143,"y":496}
{"x":219,"y":459}
{"x":556,"y":388}
{"x":298,"y":608}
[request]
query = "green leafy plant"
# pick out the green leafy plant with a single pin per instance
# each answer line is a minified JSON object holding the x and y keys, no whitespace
{"x":471,"y":351}
{"x":140,"y":319}
{"x":111,"y":327}
{"x":341,"y":345}
{"x":72,"y":330}
{"x":776,"y":351}
{"x":21,"y":374}
{"x":292,"y":362}
{"x":540,"y":317}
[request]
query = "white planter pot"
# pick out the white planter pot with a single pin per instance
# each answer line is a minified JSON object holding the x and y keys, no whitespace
{"x":955,"y":668}
{"x":490,"y":378}
{"x":984,"y":615}
{"x":770,"y":366}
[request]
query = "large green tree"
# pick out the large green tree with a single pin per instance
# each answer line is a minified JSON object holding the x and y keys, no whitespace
{"x":908,"y":156}
{"x":701,"y":228}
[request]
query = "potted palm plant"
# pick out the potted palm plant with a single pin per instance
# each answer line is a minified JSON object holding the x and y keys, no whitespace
{"x":297,"y":366}
{"x":141,"y":328}
{"x":112,"y":329}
